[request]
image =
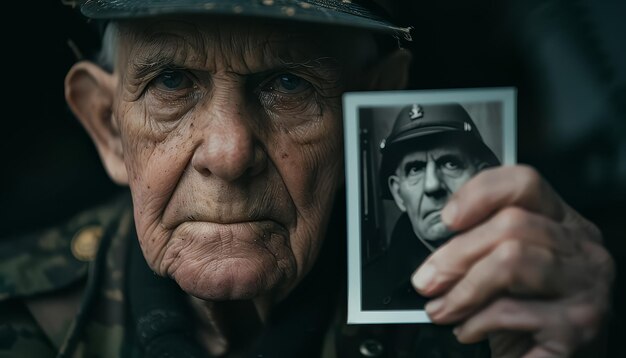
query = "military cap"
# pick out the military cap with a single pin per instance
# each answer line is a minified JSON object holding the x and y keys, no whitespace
{"x":365,"y":14}
{"x":417,"y":124}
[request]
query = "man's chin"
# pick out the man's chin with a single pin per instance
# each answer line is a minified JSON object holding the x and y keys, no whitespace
{"x":230,"y":261}
{"x":230,"y":279}
{"x":438,"y":234}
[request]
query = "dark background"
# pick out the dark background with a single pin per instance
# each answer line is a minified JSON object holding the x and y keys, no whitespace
{"x":567,"y":59}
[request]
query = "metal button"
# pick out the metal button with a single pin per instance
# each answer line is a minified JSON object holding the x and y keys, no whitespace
{"x":85,"y":243}
{"x":371,"y":348}
{"x":386,"y":300}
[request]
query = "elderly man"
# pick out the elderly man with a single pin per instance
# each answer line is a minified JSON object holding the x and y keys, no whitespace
{"x":226,"y":127}
{"x":431,"y":152}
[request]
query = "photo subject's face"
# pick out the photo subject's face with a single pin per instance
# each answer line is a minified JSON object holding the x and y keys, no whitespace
{"x":427,"y":179}
{"x":232,"y":140}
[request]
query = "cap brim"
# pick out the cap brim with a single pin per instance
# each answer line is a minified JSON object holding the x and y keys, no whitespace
{"x":423,"y":132}
{"x":488,"y":154}
{"x":312,"y":11}
{"x":437,"y":131}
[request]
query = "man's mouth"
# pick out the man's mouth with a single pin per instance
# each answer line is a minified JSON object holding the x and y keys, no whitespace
{"x":266,"y":222}
{"x":432,"y":215}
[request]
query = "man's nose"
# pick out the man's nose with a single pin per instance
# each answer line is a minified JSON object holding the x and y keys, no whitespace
{"x":432,"y":181}
{"x":229,"y":148}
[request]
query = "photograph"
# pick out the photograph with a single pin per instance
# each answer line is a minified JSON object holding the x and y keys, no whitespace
{"x":407,"y":153}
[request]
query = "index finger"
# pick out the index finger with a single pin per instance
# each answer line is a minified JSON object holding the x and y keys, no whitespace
{"x":494,"y":189}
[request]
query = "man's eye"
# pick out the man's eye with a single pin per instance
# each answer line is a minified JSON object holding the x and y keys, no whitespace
{"x":288,"y":84}
{"x":413,"y":170}
{"x":172,"y":81}
{"x":451,"y":164}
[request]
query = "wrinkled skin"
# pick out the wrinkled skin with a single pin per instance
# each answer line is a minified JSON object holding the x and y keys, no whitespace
{"x":231,"y":137}
{"x":526,"y":271}
{"x":423,"y":183}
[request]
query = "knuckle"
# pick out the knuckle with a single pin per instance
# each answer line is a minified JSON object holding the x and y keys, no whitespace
{"x":593,"y":231}
{"x":586,"y":319}
{"x":600,"y":261}
{"x":543,"y":274}
{"x":602,"y":255}
{"x":553,"y":234}
{"x":579,"y":227}
{"x":529,"y":177}
{"x":464,"y":295}
{"x":502,"y":311}
{"x":509,"y":254}
{"x":510,"y":219}
{"x":511,"y":272}
{"x":547,"y":257}
{"x":506,"y":306}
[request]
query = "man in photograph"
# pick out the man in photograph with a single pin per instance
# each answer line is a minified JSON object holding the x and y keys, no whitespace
{"x":431,"y":152}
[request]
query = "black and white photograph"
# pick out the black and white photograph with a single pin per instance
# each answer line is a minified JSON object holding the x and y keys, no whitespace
{"x":407,"y":153}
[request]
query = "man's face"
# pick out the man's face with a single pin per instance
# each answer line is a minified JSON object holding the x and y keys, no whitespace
{"x":232,"y":141}
{"x":424,"y":181}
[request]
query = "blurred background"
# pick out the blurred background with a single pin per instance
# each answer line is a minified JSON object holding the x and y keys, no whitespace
{"x":567,"y":58}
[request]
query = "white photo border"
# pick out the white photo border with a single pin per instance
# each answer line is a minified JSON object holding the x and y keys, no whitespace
{"x":352,"y":102}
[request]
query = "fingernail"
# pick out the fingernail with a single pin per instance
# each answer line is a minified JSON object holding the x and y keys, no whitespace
{"x":423,"y":277}
{"x":448,"y":214}
{"x":434,"y":306}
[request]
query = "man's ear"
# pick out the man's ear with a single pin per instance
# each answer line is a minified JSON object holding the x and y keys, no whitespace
{"x":390,"y":73}
{"x":89,"y":91}
{"x":394,"y":188}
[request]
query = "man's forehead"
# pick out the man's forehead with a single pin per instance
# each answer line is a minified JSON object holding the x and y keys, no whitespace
{"x":432,"y":152}
{"x":202,"y":38}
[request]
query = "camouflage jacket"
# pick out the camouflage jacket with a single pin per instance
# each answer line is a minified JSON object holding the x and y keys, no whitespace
{"x":82,"y":289}
{"x":61,"y":290}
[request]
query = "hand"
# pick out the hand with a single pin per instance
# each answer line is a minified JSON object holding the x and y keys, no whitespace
{"x":526,"y":270}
